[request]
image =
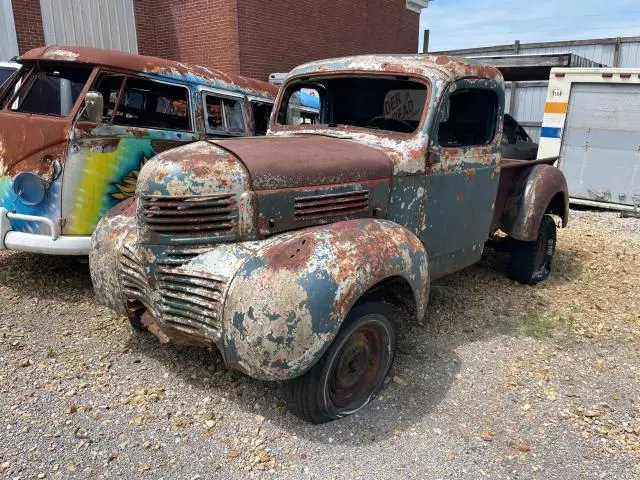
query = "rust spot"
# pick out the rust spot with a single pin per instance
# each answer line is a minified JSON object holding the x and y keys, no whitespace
{"x":470,"y":174}
{"x":292,"y":254}
{"x":150,"y":324}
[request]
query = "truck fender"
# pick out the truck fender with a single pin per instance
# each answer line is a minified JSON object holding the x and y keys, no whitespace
{"x":286,"y":304}
{"x":539,"y":190}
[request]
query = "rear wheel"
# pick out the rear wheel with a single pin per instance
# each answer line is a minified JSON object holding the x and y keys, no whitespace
{"x":351,"y":371}
{"x":530,"y":262}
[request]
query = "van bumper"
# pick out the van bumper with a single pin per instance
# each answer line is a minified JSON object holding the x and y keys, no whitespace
{"x":52,"y":244}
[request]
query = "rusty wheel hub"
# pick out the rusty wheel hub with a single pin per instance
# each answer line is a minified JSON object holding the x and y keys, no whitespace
{"x":355,"y":372}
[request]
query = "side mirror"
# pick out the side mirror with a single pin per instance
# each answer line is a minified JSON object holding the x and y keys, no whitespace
{"x":94,"y":106}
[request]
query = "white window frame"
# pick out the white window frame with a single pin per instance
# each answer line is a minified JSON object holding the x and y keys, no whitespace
{"x":222,"y":94}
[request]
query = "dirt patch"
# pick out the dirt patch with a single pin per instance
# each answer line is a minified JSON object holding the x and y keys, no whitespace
{"x":499,"y":380}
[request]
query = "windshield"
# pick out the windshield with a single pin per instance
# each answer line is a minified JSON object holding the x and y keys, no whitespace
{"x":383,"y":103}
{"x":51,"y":89}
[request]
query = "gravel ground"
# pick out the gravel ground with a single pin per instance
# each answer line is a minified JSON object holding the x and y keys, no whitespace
{"x":499,"y":380}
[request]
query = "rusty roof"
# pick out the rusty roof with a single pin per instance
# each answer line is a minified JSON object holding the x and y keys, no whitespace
{"x":417,"y":64}
{"x":152,"y":66}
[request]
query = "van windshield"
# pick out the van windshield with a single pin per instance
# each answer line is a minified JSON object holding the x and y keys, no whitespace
{"x":391,"y":103}
{"x":50,"y":89}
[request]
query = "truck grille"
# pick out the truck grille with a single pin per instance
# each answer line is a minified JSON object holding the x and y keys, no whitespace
{"x":331,"y":205}
{"x":132,"y":275}
{"x":191,"y":300}
{"x":203,"y":215}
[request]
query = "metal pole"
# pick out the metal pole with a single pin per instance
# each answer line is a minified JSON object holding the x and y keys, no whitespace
{"x":425,"y":42}
{"x":616,"y":53}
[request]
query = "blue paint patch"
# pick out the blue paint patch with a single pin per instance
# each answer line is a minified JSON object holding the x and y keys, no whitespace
{"x":550,"y":132}
{"x":322,"y":291}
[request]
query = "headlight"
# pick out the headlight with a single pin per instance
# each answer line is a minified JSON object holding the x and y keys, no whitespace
{"x":29,"y":188}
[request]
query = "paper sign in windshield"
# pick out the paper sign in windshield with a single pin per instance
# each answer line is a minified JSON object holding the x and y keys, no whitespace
{"x":404,"y":104}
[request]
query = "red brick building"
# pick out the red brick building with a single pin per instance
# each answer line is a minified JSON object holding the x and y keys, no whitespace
{"x":250,"y":37}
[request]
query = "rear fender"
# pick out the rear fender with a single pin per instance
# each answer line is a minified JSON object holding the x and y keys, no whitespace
{"x":286,"y":304}
{"x":539,"y":190}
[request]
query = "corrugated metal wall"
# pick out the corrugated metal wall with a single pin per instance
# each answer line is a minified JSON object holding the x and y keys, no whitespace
{"x":530,"y":97}
{"x":8,"y":40}
{"x":92,"y":23}
{"x":598,"y":53}
{"x":529,"y":105}
{"x":630,"y":54}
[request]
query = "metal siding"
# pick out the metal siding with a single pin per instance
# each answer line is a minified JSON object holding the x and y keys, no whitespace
{"x":600,"y":153}
{"x":8,"y":39}
{"x":534,"y":133}
{"x":529,"y":105}
{"x":630,"y":55}
{"x":598,"y":53}
{"x":94,"y":23}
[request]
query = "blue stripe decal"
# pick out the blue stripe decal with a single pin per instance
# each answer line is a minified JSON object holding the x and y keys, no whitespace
{"x":550,"y":132}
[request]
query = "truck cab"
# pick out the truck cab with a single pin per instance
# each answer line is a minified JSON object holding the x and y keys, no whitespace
{"x":282,"y":251}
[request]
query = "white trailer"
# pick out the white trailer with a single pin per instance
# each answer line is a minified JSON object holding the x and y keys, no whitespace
{"x":592,"y":122}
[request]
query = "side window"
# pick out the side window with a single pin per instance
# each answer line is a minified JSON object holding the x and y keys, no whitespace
{"x":261,"y":114}
{"x":109,"y":86}
{"x":468,"y":118}
{"x":223,"y":116}
{"x":145,"y":103}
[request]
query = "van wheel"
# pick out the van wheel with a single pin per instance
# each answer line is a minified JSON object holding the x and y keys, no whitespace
{"x":351,"y":371}
{"x":530,"y":262}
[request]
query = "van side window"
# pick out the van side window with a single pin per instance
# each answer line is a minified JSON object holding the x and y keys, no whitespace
{"x":261,"y":114}
{"x":223,"y":116}
{"x":468,"y":117}
{"x":109,"y":86}
{"x":145,"y":103}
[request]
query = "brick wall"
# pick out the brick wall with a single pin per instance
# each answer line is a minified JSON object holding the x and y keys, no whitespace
{"x":277,"y":35}
{"x":28,"y":21}
{"x":203,"y":32}
{"x":255,"y":38}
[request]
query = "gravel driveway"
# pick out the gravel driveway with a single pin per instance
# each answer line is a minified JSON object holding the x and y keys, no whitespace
{"x":500,"y":380}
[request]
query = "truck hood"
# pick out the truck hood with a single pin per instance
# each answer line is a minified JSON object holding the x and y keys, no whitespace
{"x":299,"y":161}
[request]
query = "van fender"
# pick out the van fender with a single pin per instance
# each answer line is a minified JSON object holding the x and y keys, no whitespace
{"x":286,"y":304}
{"x":539,"y":190}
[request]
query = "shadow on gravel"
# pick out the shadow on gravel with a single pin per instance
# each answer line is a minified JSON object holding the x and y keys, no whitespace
{"x":46,"y":276}
{"x":566,"y":265}
{"x":476,"y":304}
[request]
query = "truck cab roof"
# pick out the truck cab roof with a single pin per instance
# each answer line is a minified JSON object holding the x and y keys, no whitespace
{"x":430,"y":66}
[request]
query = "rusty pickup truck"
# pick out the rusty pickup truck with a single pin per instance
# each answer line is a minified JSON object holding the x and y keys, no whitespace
{"x":282,"y":251}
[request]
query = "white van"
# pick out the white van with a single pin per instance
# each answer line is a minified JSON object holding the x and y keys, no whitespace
{"x":592,"y":121}
{"x":6,"y":70}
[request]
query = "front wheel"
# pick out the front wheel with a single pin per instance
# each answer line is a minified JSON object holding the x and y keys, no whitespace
{"x":530,"y":262}
{"x":351,"y":371}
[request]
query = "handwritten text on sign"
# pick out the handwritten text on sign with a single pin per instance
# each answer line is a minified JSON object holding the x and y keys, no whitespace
{"x":404,"y":104}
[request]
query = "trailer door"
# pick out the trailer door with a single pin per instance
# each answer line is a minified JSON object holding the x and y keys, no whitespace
{"x":600,"y":154}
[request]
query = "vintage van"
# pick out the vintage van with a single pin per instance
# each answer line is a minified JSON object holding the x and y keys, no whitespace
{"x":6,"y":70}
{"x":76,"y":125}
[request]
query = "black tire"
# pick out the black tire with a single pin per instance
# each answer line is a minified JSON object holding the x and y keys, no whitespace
{"x":351,"y":371}
{"x":136,"y":322}
{"x":530,"y":262}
